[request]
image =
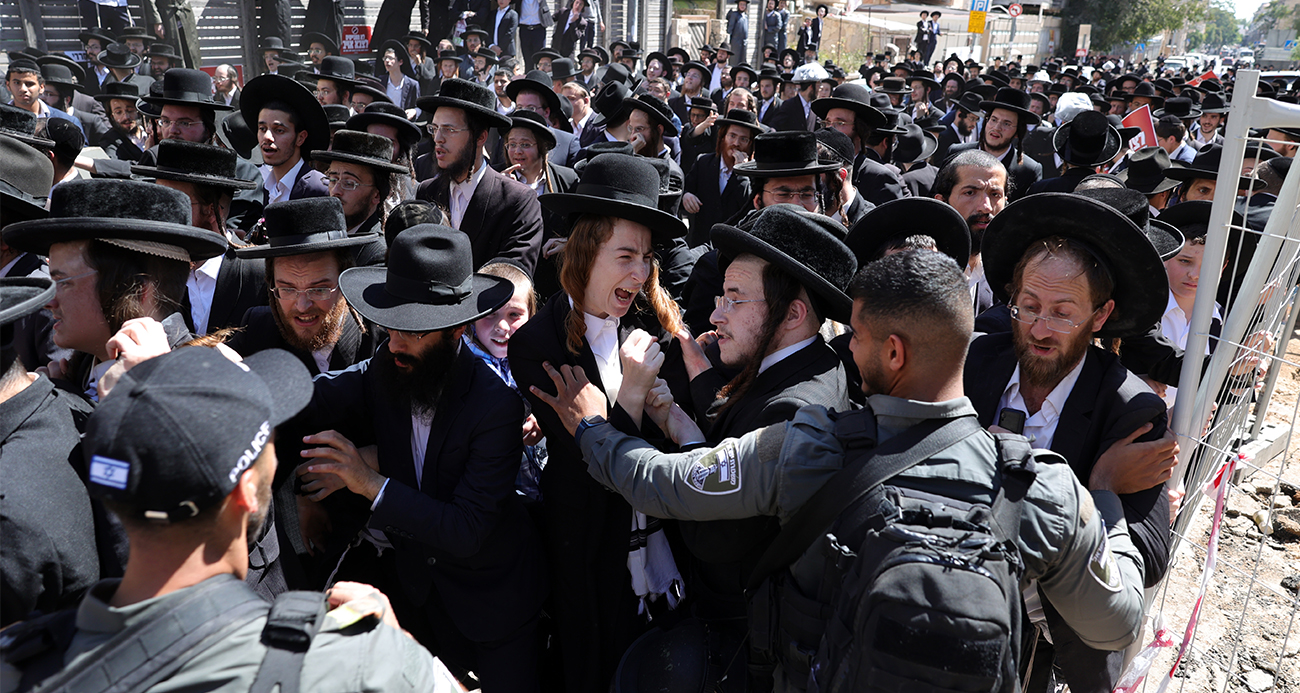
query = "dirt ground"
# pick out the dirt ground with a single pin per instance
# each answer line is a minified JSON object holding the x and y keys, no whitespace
{"x":1248,"y":640}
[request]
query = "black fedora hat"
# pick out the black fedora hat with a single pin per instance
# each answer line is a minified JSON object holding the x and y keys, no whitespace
{"x":657,"y":55}
{"x":618,"y":72}
{"x":475,"y":99}
{"x":185,"y":87}
{"x":420,"y":37}
{"x":1180,"y":107}
{"x":745,"y":68}
{"x":1012,"y":100}
{"x":25,"y":181}
{"x":119,"y":56}
{"x":970,"y":102}
{"x":336,"y":68}
{"x":535,"y":81}
{"x":1146,"y":171}
{"x":308,"y":225}
{"x":595,"y":53}
{"x":703,"y":103}
{"x":1087,"y":140}
{"x":853,"y":97}
{"x":896,"y":123}
{"x":197,"y":163}
{"x":373,"y":88}
{"x":838,"y":144}
{"x":429,"y":283}
{"x":338,"y":115}
{"x":1164,"y":86}
{"x":115,"y":210}
{"x":742,"y":118}
{"x":386,"y":113}
{"x":331,"y":48}
{"x":1166,"y":239}
{"x":531,"y":121}
{"x":476,"y":30}
{"x":96,"y":33}
{"x":260,"y":91}
{"x":1213,"y":102}
{"x":898,"y":219}
{"x":20,"y":124}
{"x":784,"y":154}
{"x":59,"y":75}
{"x":451,"y":55}
{"x":162,"y":50}
{"x":651,"y":106}
{"x":915,"y":145}
{"x":272,"y":43}
{"x":622,"y":186}
{"x":609,"y":100}
{"x":893,"y":85}
{"x":924,"y":76}
{"x":1146,"y":90}
{"x":78,"y":72}
{"x":235,"y":134}
{"x":1204,"y":165}
{"x":803,"y":244}
{"x":563,"y":69}
{"x":547,"y":52}
{"x":486,"y":54}
{"x":1126,"y":134}
{"x":22,"y":296}
{"x":359,"y":147}
{"x":1141,"y":284}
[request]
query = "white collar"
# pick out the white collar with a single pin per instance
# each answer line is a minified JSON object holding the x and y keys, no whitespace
{"x":780,"y":354}
{"x":1054,"y":403}
{"x":582,"y":124}
{"x":269,"y":174}
{"x":210,"y":268}
{"x":471,"y":183}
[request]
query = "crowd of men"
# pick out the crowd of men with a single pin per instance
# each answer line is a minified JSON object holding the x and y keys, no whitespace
{"x":582,"y":369}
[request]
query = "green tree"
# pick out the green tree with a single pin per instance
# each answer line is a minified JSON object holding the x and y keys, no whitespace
{"x":1132,"y":21}
{"x":1221,"y":27}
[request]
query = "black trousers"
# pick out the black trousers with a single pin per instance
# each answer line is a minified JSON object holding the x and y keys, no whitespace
{"x":532,"y":38}
{"x":115,"y":19}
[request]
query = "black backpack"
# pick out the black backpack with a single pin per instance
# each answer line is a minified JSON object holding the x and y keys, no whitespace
{"x":919,"y":592}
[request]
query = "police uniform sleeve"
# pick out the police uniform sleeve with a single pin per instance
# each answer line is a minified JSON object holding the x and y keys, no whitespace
{"x":1076,"y":543}
{"x":368,"y":656}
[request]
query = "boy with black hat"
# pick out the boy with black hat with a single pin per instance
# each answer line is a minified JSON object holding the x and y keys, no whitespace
{"x":26,"y":83}
{"x":60,"y":89}
{"x":290,"y":123}
{"x":448,"y":430}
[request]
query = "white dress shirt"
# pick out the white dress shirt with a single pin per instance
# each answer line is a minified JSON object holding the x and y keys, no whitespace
{"x":322,"y":358}
{"x":777,"y":356}
{"x":1176,"y":325}
{"x":581,"y":125}
{"x":461,"y":193}
{"x":724,"y":175}
{"x":1040,"y":428}
{"x":202,"y":286}
{"x":278,"y":189}
{"x":530,"y":12}
{"x":496,"y":25}
{"x":602,"y":336}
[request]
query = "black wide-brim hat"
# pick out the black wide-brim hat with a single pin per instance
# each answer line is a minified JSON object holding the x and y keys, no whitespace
{"x":96,"y":33}
{"x":186,"y":87}
{"x":265,"y":89}
{"x":428,"y":284}
{"x":22,"y":296}
{"x":742,"y":118}
{"x":915,"y":145}
{"x":80,"y":211}
{"x":386,"y":113}
{"x":853,"y":97}
{"x":653,"y":107}
{"x":119,"y":56}
{"x":330,"y":67}
{"x":363,"y":148}
{"x":1205,"y":165}
{"x":25,"y":181}
{"x":533,"y":122}
{"x":1141,"y":290}
{"x":235,"y":134}
{"x":535,"y":81}
{"x":911,"y":216}
{"x":622,"y":186}
{"x":197,"y":163}
{"x":784,"y":154}
{"x":1087,"y":142}
{"x":326,"y":41}
{"x":1192,"y":219}
{"x":467,"y":96}
{"x":303,"y":226}
{"x":1144,"y":173}
{"x":1012,"y":100}
{"x":803,"y":244}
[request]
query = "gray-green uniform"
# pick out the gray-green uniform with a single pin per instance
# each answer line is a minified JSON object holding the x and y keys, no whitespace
{"x":179,"y":28}
{"x":1074,"y":542}
{"x":344,"y":657}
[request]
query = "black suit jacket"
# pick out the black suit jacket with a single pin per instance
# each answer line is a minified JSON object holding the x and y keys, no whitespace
{"x":461,"y":532}
{"x":1022,"y":175}
{"x":947,"y":139}
{"x":260,"y":332}
{"x":503,"y":219}
{"x":1066,"y":182}
{"x":769,"y":116}
{"x":790,"y":116}
{"x":716,"y":206}
{"x":919,"y":180}
{"x":505,"y":31}
{"x":241,"y":285}
{"x":877,"y":182}
{"x":309,"y":183}
{"x":119,"y":146}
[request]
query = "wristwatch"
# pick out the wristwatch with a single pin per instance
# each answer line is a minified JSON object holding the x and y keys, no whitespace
{"x":587,"y":422}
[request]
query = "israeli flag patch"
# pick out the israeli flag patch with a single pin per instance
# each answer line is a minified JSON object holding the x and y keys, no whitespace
{"x":109,"y":472}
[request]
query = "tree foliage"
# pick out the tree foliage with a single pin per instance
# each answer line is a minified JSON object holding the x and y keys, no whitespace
{"x":1132,"y":21}
{"x":1221,"y":29}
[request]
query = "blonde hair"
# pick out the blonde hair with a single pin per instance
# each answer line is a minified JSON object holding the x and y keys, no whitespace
{"x":516,"y":276}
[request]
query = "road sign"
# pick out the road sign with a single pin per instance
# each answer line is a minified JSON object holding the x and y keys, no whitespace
{"x":1081,"y":52}
{"x":978,"y":15}
{"x":1015,"y":9}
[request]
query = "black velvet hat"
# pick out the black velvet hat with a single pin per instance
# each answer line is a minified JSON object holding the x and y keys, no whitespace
{"x":563,"y":69}
{"x":78,"y":72}
{"x":25,"y":181}
{"x":784,"y":154}
{"x":531,"y":121}
{"x":1013,"y":100}
{"x":898,"y":219}
{"x":1126,"y":134}
{"x":803,"y":244}
{"x":475,"y":30}
{"x":744,"y":67}
{"x":114,"y":210}
{"x":703,"y":103}
{"x":487,"y":55}
{"x":119,"y":56}
{"x":473,"y":98}
{"x":265,"y":89}
{"x":535,"y":81}
{"x":336,"y":68}
{"x":1147,"y":170}
{"x":924,"y":76}
{"x":338,"y":115}
{"x":371,"y":87}
{"x":235,"y":134}
{"x":1204,"y":165}
{"x":163,"y":50}
{"x":970,"y":102}
{"x":618,"y":185}
{"x":22,"y":296}
{"x":96,"y":33}
{"x":547,"y":52}
{"x":197,"y":163}
{"x":331,"y":47}
{"x":838,"y":143}
{"x":893,"y":85}
{"x":743,"y":118}
{"x":1180,"y":107}
{"x":1214,"y":103}
{"x":705,"y":73}
{"x":59,"y":75}
{"x":273,"y":43}
{"x":185,"y":87}
{"x":1087,"y":140}
{"x":307,"y":225}
{"x":451,"y":55}
{"x":915,"y":145}
{"x":1141,"y":284}
{"x":385,"y":113}
{"x":853,"y":97}
{"x":355,"y":147}
{"x":20,"y":124}
{"x":1148,"y":91}
{"x":418,"y":36}
{"x":1166,"y":239}
{"x":429,"y":283}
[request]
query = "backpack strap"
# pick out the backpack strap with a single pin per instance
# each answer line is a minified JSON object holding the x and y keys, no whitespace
{"x":295,"y":619}
{"x":152,"y":649}
{"x":865,"y":468}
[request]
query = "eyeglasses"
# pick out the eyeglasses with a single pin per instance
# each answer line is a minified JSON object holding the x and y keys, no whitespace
{"x":417,"y":336}
{"x":787,"y":195}
{"x":836,"y":123}
{"x":347,"y":184}
{"x":166,"y":123}
{"x":728,"y":305}
{"x":315,"y":294}
{"x":446,"y":131}
{"x":59,"y":284}
{"x":359,"y":107}
{"x":1057,"y":325}
{"x":520,"y":146}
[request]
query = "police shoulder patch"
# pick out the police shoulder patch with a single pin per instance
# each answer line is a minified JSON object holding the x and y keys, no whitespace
{"x":718,"y":472}
{"x":1102,"y":566}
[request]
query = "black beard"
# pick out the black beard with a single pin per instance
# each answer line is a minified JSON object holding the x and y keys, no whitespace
{"x":328,"y":333}
{"x":354,"y":221}
{"x":977,"y":237}
{"x":422,"y":384}
{"x":1047,"y":373}
{"x":462,"y":165}
{"x":961,"y":128}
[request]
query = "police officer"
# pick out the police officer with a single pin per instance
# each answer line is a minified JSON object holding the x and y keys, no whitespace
{"x":912,"y":320}
{"x":189,"y":499}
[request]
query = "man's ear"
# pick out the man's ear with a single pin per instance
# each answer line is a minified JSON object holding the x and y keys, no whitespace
{"x":1100,"y":317}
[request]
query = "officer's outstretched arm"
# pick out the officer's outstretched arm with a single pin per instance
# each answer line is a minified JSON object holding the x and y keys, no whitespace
{"x":1092,"y":572}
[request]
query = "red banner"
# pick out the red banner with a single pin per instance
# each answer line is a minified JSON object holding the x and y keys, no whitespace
{"x":1209,"y":74}
{"x":1141,"y":118}
{"x":356,"y":40}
